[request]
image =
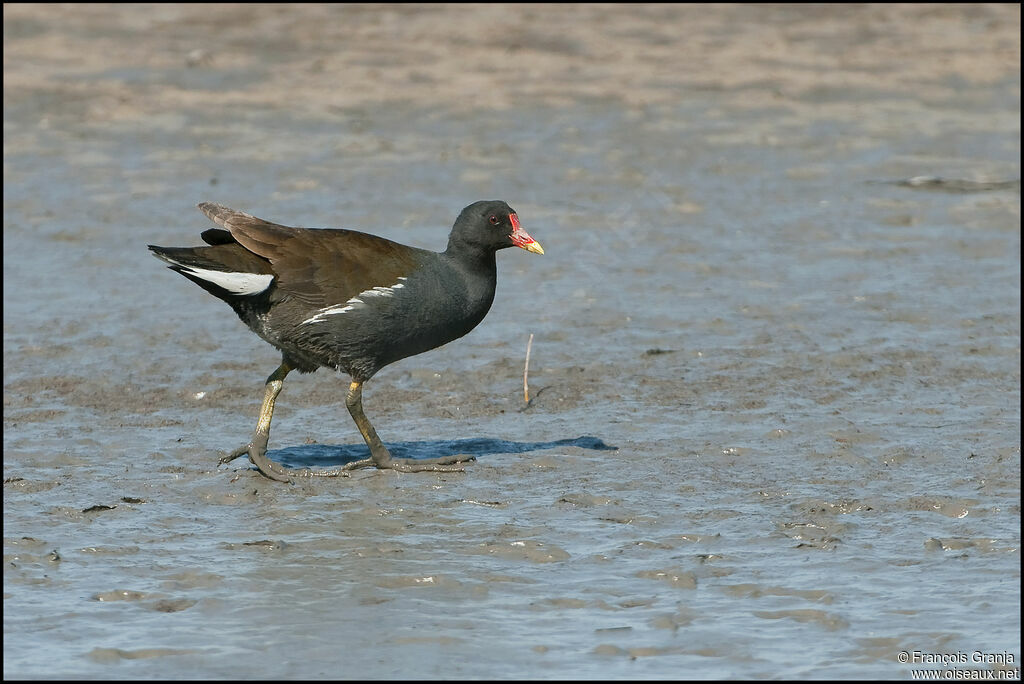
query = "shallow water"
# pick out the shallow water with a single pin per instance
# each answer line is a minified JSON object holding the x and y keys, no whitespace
{"x":775,"y":416}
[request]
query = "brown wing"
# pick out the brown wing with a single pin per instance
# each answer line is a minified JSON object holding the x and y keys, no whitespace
{"x":324,"y":266}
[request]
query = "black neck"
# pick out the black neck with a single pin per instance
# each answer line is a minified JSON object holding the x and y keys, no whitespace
{"x":475,"y":257}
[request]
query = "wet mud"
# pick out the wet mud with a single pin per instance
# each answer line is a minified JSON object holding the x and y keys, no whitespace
{"x":774,"y":427}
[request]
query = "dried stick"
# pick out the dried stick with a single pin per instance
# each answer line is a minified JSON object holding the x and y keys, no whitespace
{"x":526,"y":370}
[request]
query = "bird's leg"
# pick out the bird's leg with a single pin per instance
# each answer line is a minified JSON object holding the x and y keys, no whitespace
{"x":257,"y":446}
{"x":256,"y":449}
{"x":380,"y":457}
{"x":354,"y":402}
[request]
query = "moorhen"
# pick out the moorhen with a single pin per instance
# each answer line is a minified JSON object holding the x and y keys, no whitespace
{"x":349,"y":301}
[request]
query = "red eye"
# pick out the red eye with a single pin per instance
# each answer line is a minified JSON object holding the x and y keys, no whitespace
{"x":493,"y":219}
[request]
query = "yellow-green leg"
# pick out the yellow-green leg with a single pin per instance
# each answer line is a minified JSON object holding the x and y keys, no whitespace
{"x":380,"y":457}
{"x":257,"y":446}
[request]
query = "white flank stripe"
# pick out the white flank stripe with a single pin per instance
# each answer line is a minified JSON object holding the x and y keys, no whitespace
{"x":353,"y":303}
{"x":322,"y":314}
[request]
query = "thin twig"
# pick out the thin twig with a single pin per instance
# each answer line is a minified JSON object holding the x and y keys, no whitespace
{"x":526,"y":370}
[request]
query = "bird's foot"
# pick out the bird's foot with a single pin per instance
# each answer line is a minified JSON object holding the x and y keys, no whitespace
{"x":256,"y":449}
{"x":444,"y":464}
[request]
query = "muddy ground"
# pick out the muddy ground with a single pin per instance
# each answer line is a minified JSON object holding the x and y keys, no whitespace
{"x":775,"y":374}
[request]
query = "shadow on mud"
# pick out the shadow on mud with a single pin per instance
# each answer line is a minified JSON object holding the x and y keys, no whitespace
{"x":325,"y":455}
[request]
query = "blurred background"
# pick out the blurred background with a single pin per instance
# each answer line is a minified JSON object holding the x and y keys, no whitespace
{"x":781,"y":279}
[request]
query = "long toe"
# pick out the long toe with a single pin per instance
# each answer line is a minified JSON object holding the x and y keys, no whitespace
{"x":445,"y":460}
{"x":240,"y":451}
{"x":444,"y":464}
{"x":356,"y":465}
{"x":257,"y":453}
{"x":270,"y":469}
